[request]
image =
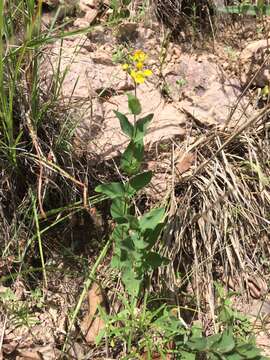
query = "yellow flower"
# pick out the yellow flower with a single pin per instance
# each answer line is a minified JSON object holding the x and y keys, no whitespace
{"x":125,"y":67}
{"x":147,"y":72}
{"x":136,"y":67}
{"x":137,"y":76}
{"x":139,"y":65}
{"x":139,"y":56}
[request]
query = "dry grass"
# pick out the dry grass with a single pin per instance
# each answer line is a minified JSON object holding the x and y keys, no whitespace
{"x":219,"y":225}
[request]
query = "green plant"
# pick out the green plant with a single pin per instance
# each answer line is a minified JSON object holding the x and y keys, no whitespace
{"x":119,"y":55}
{"x":135,"y":328}
{"x":133,"y":236}
{"x":232,"y":54}
{"x":181,"y":82}
{"x":138,"y":326}
{"x":119,"y":9}
{"x":228,"y":317}
{"x":223,"y":346}
{"x":18,"y":312}
{"x":233,"y":341}
{"x":246,"y":8}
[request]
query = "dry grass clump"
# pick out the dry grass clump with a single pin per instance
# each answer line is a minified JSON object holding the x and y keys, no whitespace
{"x":177,"y":14}
{"x":220,"y":225}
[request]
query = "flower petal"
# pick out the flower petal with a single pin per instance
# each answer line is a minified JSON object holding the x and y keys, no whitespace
{"x":139,"y":55}
{"x":125,"y":67}
{"x":137,"y":76}
{"x":139,"y":65}
{"x":148,"y":72}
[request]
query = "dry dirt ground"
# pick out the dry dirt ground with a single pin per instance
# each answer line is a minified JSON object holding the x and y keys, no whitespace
{"x":197,"y":85}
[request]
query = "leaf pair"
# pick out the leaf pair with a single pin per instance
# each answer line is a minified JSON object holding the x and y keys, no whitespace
{"x":125,"y":190}
{"x":224,"y":346}
{"x":133,"y":155}
{"x":137,"y":131}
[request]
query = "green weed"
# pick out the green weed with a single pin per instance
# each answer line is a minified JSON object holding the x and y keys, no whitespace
{"x":119,"y":9}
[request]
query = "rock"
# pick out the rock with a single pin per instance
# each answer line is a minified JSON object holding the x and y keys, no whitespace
{"x":213,"y":106}
{"x":86,"y":5}
{"x":89,"y":17}
{"x":103,"y":58}
{"x":48,"y":352}
{"x":81,"y":23}
{"x":86,"y":70}
{"x":90,"y":11}
{"x":252,"y":58}
{"x":127,"y":31}
{"x":202,"y":90}
{"x":100,"y":36}
{"x":89,"y":77}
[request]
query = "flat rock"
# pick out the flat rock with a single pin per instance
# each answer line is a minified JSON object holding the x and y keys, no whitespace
{"x":202,"y":90}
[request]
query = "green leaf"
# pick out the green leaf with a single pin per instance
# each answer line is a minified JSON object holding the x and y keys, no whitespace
{"x":127,"y":244}
{"x":133,"y":222}
{"x":197,"y":343}
{"x":260,"y":4}
{"x":234,"y":356}
{"x":196,"y":329}
{"x":114,"y":4}
{"x":216,"y":357}
{"x":249,"y":351}
{"x":153,"y":235}
{"x":122,"y":257}
{"x":225,"y":344}
{"x":126,"y":126}
{"x":134,"y":104}
{"x":139,"y":241}
{"x":148,"y":238}
{"x":112,"y":190}
{"x":187,"y":355}
{"x":245,"y":9}
{"x":120,"y":232}
{"x":131,"y":282}
{"x":226,"y":314}
{"x":132,"y":158}
{"x":139,"y":181}
{"x":155,"y":260}
{"x":115,"y":262}
{"x":100,"y":336}
{"x":152,"y":219}
{"x":119,"y":209}
{"x":141,"y":127}
{"x":212,"y":340}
